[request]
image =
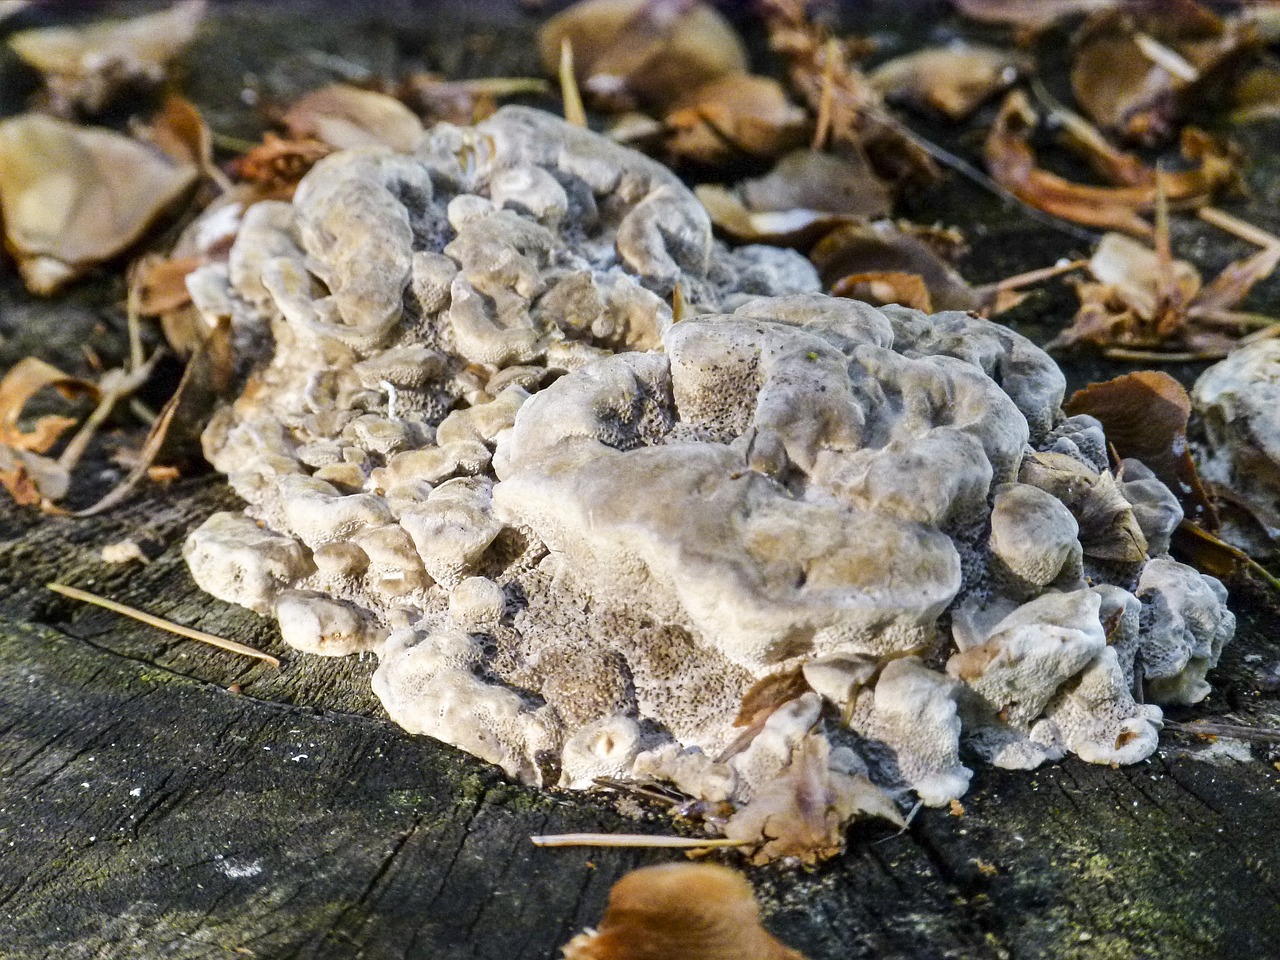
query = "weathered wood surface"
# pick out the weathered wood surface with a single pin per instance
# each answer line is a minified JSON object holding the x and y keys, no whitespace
{"x":146,"y":811}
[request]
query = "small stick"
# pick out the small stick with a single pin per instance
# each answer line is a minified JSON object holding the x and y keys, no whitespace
{"x":1156,"y":356}
{"x":574,"y":112}
{"x":1166,"y":57}
{"x":634,"y":840}
{"x":1036,"y":276}
{"x":162,"y":624}
{"x":1233,"y":730}
{"x":1241,"y":229}
{"x":826,"y":101}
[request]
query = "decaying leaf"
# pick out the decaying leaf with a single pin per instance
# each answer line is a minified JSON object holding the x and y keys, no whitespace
{"x":648,"y":52}
{"x":839,"y":182}
{"x":954,"y":80}
{"x":86,"y":68}
{"x":864,"y":257}
{"x":1145,"y":417}
{"x":463,"y":102}
{"x":31,"y":479}
{"x":161,"y":283}
{"x":125,"y":551}
{"x":680,"y":911}
{"x":1012,"y":163}
{"x":1030,"y":15}
{"x":803,"y":813}
{"x":1201,"y":549}
{"x":839,"y":94}
{"x":768,"y":694}
{"x":9,"y":8}
{"x":1256,"y":97}
{"x":276,"y":165}
{"x":23,"y":381}
{"x":76,"y":196}
{"x":885,"y":287}
{"x":1109,"y":530}
{"x":343,"y":117}
{"x":1135,"y":72}
{"x":738,"y":113}
{"x":787,"y":228}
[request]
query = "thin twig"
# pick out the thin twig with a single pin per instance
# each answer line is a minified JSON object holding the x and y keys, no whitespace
{"x":1158,"y":356}
{"x":1241,"y":229}
{"x":1032,"y":277}
{"x":1166,"y":57}
{"x":826,"y":100}
{"x":634,"y":840}
{"x":115,"y":388}
{"x":1234,"y":731}
{"x":161,"y":624}
{"x":574,"y":112}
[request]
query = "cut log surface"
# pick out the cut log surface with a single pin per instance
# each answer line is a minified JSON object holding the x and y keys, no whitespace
{"x":148,"y":811}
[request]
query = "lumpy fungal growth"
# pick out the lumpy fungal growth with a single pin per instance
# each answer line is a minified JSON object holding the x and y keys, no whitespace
{"x":577,"y":534}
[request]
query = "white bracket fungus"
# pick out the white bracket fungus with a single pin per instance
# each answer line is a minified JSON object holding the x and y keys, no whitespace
{"x":576,"y":533}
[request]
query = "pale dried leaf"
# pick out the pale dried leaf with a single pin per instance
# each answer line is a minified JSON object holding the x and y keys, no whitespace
{"x":1133,"y":272}
{"x":126,"y":551}
{"x":344,"y":117}
{"x":76,"y":196}
{"x":1029,"y":14}
{"x":809,"y":180}
{"x":788,"y":228}
{"x":642,"y":51}
{"x":86,"y":67}
{"x":954,"y":80}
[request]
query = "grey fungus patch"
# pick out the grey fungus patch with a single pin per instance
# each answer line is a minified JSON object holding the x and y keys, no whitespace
{"x":576,"y":533}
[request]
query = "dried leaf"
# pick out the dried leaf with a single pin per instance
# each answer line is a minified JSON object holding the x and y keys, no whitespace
{"x":1012,"y":163}
{"x":738,"y":113}
{"x":1033,"y":15}
{"x":648,"y":52}
{"x":1145,"y":417}
{"x":803,"y":813}
{"x":160,"y":284}
{"x":85,"y":68}
{"x":885,"y":287}
{"x":1256,"y":96}
{"x":9,"y":8}
{"x":74,"y":196}
{"x":463,"y":102}
{"x":768,"y":694}
{"x":827,"y":182}
{"x":785,"y":228}
{"x":954,"y":80}
{"x":680,"y":911}
{"x":30,"y":479}
{"x":23,"y":381}
{"x":343,"y":117}
{"x":845,"y":101}
{"x":276,"y":165}
{"x":882,"y":248}
{"x":1136,"y":73}
{"x":126,"y":551}
{"x":1194,"y":545}
{"x":1136,"y":276}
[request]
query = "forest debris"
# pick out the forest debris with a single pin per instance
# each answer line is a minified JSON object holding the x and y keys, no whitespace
{"x":126,"y":551}
{"x":680,"y":911}
{"x":1144,"y":415}
{"x":86,"y":68}
{"x":23,"y":381}
{"x":76,"y":196}
{"x":179,"y":131}
{"x":1136,"y":73}
{"x":575,"y":112}
{"x":1030,"y":15}
{"x":161,"y":624}
{"x":1209,"y":554}
{"x":344,"y":117}
{"x":463,"y":102}
{"x":839,"y":183}
{"x":633,"y":840}
{"x":802,"y":814}
{"x":738,"y":113}
{"x":10,"y":8}
{"x":798,"y":227}
{"x":841,"y":95}
{"x":1012,"y":162}
{"x":954,"y":80}
{"x":276,"y":165}
{"x":867,"y":260}
{"x":642,"y":52}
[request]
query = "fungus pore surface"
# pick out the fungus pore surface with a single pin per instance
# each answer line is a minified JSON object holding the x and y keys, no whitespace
{"x":577,"y":531}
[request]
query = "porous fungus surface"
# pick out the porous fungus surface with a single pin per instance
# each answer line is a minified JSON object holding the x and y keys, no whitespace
{"x":577,"y":533}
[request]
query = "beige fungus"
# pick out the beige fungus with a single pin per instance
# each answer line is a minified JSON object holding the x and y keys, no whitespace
{"x":576,"y":533}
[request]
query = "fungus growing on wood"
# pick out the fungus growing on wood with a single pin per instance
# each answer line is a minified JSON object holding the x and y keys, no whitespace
{"x":577,"y":533}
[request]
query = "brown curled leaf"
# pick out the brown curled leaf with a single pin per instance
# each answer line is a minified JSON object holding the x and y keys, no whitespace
{"x":1012,"y":163}
{"x":768,"y":694}
{"x":1145,"y":417}
{"x":276,"y":165}
{"x":736,"y":114}
{"x":885,"y":287}
{"x":1194,"y":545}
{"x":23,"y":381}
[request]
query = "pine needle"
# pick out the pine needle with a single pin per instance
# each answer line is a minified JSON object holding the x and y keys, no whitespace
{"x":162,"y":624}
{"x":574,"y":112}
{"x":634,"y":840}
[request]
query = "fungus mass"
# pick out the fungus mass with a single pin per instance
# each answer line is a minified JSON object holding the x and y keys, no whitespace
{"x":577,"y":531}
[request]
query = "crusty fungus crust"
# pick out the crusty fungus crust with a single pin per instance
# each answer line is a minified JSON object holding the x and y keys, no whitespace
{"x":576,"y":532}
